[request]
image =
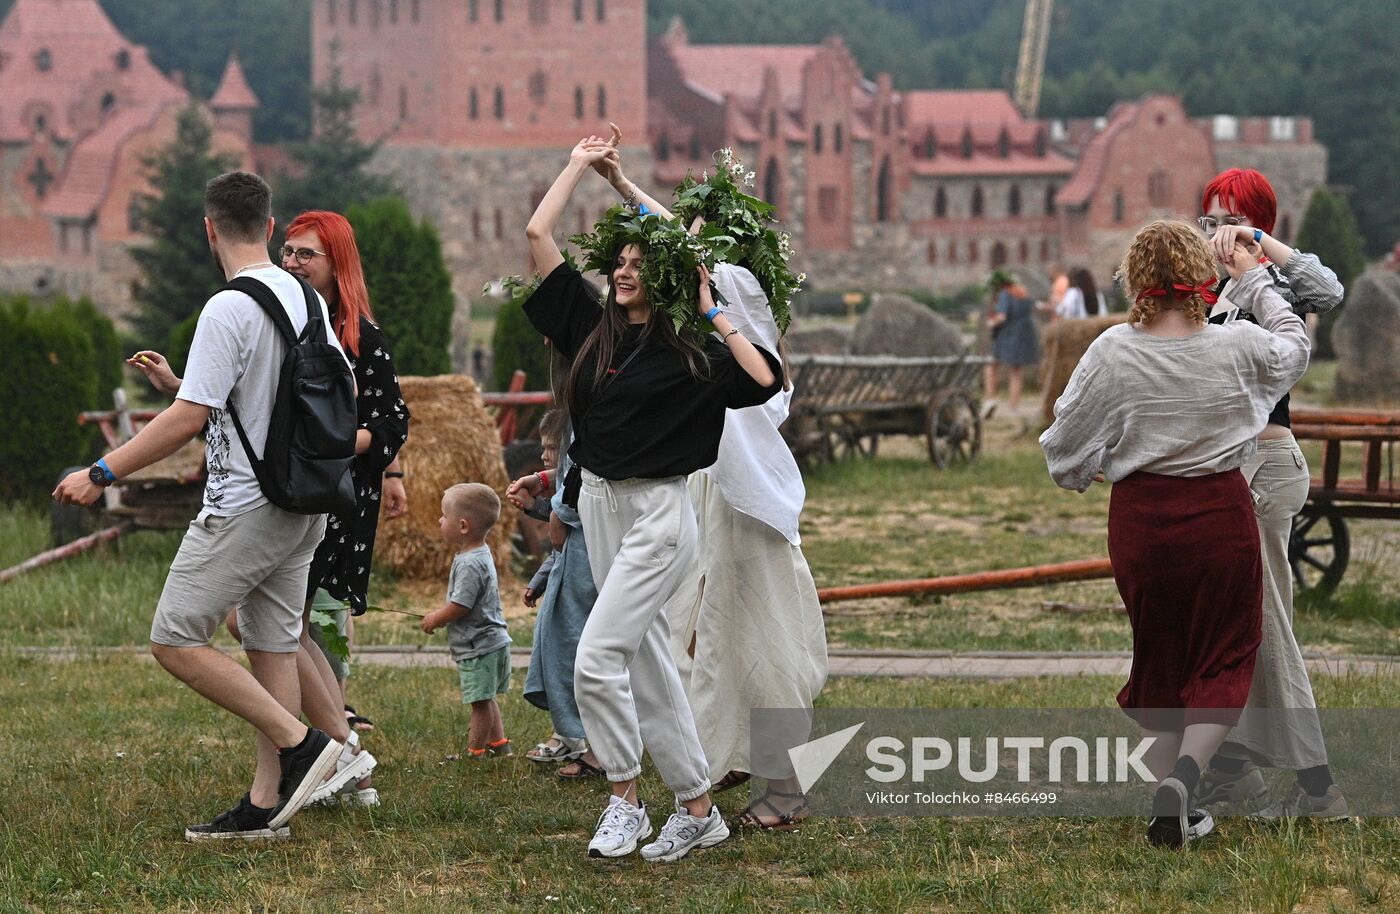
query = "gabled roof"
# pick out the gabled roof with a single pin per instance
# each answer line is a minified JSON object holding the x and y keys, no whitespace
{"x":87,"y":175}
{"x":84,"y":54}
{"x":737,"y":69}
{"x":234,"y":93}
{"x":959,"y":107}
{"x":1092,"y":161}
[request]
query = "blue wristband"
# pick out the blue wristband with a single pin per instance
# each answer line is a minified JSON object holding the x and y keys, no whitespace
{"x":1258,"y":235}
{"x":710,"y":314}
{"x":102,"y":462}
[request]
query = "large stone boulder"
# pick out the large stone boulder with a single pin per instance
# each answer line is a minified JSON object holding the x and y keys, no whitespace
{"x":1367,"y":339}
{"x":898,"y":325}
{"x":828,"y":339}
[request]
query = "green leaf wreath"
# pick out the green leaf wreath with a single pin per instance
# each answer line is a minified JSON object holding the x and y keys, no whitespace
{"x":669,"y":260}
{"x":738,"y":230}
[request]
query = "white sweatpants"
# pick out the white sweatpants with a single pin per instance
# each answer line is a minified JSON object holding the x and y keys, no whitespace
{"x":641,"y":537}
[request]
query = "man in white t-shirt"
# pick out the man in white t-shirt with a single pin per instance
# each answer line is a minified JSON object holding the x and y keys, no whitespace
{"x":241,"y":550}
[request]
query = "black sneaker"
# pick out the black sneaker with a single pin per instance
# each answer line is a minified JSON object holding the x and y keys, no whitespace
{"x":303,"y":770}
{"x":244,"y":822}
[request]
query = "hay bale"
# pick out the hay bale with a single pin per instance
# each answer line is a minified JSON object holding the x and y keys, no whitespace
{"x":897,"y":325}
{"x":452,"y":439}
{"x":1063,"y":345}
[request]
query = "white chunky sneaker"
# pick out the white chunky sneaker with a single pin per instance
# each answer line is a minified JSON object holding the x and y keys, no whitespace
{"x":683,"y":833}
{"x":620,"y":827}
{"x":350,"y":768}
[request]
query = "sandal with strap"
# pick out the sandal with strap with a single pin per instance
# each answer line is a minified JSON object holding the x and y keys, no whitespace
{"x":730,"y":781}
{"x":567,"y":750}
{"x":585,"y":771}
{"x":787,"y":821}
{"x":357,"y":722}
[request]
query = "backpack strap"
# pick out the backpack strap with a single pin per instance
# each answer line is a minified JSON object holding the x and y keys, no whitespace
{"x":259,"y":292}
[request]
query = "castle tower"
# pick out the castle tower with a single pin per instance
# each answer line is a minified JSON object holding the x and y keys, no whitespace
{"x":233,"y":103}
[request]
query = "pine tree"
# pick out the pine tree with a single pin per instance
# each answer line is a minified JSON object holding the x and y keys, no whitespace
{"x":333,"y":163}
{"x":410,"y":289}
{"x":177,"y":276}
{"x":1329,"y":231}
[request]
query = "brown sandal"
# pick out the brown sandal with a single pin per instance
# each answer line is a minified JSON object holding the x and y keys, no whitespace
{"x":730,"y":781}
{"x":585,"y":771}
{"x":787,"y":821}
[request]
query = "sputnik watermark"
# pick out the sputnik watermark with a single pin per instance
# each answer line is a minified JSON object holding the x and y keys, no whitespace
{"x":1115,"y":760}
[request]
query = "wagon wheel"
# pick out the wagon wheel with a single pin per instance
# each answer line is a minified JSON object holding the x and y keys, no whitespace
{"x":953,"y":428}
{"x":1318,"y":549}
{"x":850,"y":441}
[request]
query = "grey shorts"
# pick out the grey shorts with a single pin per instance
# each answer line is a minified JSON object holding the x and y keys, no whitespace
{"x":256,"y":561}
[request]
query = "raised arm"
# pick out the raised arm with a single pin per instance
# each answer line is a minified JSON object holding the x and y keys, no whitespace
{"x":540,"y":229}
{"x":611,"y":169}
{"x":745,"y":353}
{"x":1312,"y":287}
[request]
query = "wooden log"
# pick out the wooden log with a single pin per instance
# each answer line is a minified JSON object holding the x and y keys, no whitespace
{"x":1034,"y":576}
{"x":63,"y":552}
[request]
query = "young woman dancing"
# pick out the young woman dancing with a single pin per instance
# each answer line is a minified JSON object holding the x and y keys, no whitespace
{"x":647,"y":406}
{"x":1181,"y":527}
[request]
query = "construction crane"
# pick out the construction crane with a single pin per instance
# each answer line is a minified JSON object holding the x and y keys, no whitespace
{"x":1030,"y":66}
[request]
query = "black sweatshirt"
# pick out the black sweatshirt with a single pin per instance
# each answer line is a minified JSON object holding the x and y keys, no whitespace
{"x":654,"y":419}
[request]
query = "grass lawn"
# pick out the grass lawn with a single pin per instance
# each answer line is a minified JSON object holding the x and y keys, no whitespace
{"x":106,"y":760}
{"x":865,"y":521}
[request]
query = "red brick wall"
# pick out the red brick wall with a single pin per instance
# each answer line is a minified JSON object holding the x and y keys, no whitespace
{"x":417,"y":77}
{"x":827,"y":81}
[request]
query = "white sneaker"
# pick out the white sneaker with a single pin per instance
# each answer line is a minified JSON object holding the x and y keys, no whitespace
{"x":620,"y":827}
{"x":367,"y":797}
{"x":683,"y":833}
{"x":350,"y":768}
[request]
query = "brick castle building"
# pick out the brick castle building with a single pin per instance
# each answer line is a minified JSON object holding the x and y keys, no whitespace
{"x":80,"y":109}
{"x":478,"y":102}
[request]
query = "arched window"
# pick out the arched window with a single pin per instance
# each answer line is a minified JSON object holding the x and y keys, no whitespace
{"x":393,"y":12}
{"x":1041,"y":145}
{"x":998,"y":255}
{"x":376,"y":9}
{"x":1118,"y":212}
{"x":403,"y":103}
{"x":472,"y":12}
{"x":109,"y":101}
{"x":602,"y":102}
{"x":123,"y":59}
{"x":330,"y":12}
{"x":602,"y":10}
{"x":817,"y":140}
{"x":354,"y":11}
{"x":933,"y":252}
{"x":772,"y":181}
{"x":1045,"y":250}
{"x":538,"y":86}
{"x":837,"y":139}
{"x":952,"y":252}
{"x":940,"y":202}
{"x":415,"y":10}
{"x":1050,"y":200}
{"x":772,"y":125}
{"x":476,"y":225}
{"x":500,"y":17}
{"x":500,"y":224}
{"x":578,"y":10}
{"x":663,"y":148}
{"x":882,"y":192}
{"x":694,"y":146}
{"x":1158,"y":188}
{"x":1024,"y":252}
{"x":539,"y":12}
{"x":578,"y":102}
{"x":499,"y":104}
{"x":1004,"y":144}
{"x":972,"y":251}
{"x":472,"y":108}
{"x":930,"y":145}
{"x":43,"y":59}
{"x":967,"y":145}
{"x":978,"y":204}
{"x":1285,"y":228}
{"x":1013,"y":200}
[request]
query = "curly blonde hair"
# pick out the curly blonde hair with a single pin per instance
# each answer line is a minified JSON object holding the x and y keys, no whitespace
{"x":1164,"y":252}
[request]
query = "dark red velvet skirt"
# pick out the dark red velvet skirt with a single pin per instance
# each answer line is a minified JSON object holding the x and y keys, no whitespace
{"x":1185,"y":553}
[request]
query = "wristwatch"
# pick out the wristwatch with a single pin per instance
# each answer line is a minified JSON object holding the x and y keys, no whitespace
{"x":100,"y":475}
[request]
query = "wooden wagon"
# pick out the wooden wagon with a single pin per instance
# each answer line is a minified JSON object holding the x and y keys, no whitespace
{"x":841,"y":406}
{"x":1320,"y":546}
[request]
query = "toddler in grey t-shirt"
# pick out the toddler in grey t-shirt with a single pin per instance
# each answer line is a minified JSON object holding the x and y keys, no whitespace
{"x":476,"y":628}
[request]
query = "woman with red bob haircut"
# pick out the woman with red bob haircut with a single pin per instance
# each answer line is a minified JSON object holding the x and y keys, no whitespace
{"x":1280,"y":727}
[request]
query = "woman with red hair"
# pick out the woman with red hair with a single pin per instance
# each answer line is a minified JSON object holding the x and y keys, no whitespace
{"x":1239,"y":207}
{"x":321,"y":249}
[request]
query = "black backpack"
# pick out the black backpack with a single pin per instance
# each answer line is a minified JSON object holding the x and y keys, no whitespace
{"x":305,"y":468}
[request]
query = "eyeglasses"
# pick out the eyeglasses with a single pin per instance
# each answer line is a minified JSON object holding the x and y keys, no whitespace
{"x":1209,"y":224}
{"x":303,"y":255}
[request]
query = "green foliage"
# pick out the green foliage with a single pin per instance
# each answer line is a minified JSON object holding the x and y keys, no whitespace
{"x":410,"y":289}
{"x":107,"y":348}
{"x":333,"y":162}
{"x":50,"y":377}
{"x":670,"y":258}
{"x":336,"y":643}
{"x":177,"y":350}
{"x":177,"y":277}
{"x":737,"y":230}
{"x":1329,"y":231}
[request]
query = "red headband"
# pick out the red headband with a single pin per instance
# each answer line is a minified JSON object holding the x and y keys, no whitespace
{"x":1182,"y":290}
